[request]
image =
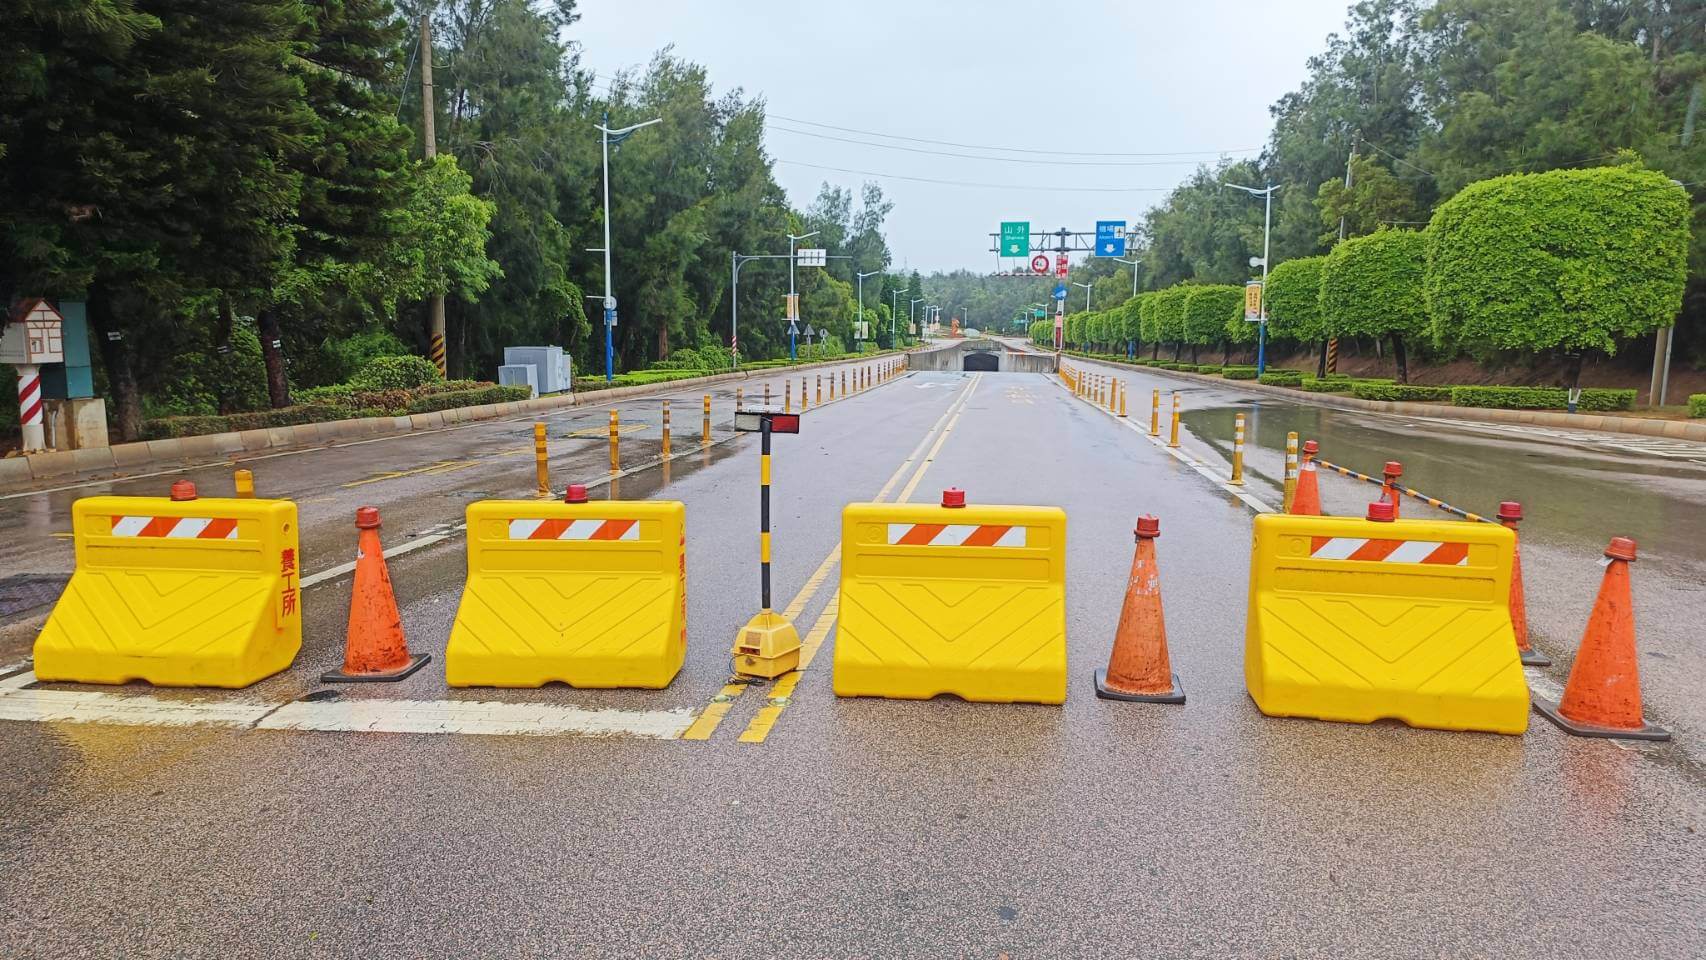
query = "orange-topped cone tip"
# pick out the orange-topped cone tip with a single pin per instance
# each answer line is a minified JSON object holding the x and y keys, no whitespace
{"x":375,"y":648}
{"x":1603,"y":695}
{"x":1139,"y":669}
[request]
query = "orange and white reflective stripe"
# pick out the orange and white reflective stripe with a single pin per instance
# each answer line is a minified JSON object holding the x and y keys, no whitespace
{"x":176,"y":528}
{"x":574,"y":529}
{"x":1390,"y":551}
{"x":956,"y":535}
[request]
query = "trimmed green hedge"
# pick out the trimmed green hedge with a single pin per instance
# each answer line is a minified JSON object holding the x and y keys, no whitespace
{"x":1327,"y":386}
{"x":1697,"y":404}
{"x":1281,"y":378}
{"x":1541,"y":398}
{"x":165,"y":428}
{"x":1401,"y":391}
{"x":469,"y":398}
{"x":1238,"y":373}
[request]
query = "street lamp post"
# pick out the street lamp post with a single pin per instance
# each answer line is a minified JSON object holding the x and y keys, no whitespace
{"x":606,"y":137}
{"x":1267,"y":195}
{"x":894,"y":310}
{"x":912,"y":315}
{"x":862,"y":277}
{"x":1130,"y":345}
{"x":1087,"y":288}
{"x":793,"y":299}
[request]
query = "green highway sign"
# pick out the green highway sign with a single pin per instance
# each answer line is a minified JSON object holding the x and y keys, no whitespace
{"x":1015,"y":238}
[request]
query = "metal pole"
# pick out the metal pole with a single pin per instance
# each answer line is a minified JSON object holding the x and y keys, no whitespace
{"x":1238,"y":450}
{"x":764,"y":513}
{"x":609,"y":296}
{"x":1290,"y":471}
{"x":666,"y":429}
{"x":793,"y":312}
{"x":429,"y":137}
{"x":615,"y":433}
{"x":1262,"y":323}
{"x":734,"y":309}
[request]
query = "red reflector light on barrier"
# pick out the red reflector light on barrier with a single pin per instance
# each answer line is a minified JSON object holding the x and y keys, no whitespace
{"x":784,"y":423}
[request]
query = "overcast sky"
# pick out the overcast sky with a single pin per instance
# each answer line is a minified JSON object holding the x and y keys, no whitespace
{"x":1187,"y":81}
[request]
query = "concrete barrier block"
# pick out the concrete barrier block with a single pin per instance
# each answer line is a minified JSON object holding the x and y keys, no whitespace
{"x":170,"y":449}
{"x":280,"y":436}
{"x":1676,"y":429}
{"x":93,"y":459}
{"x":15,"y":470}
{"x":259,"y":439}
{"x":426,"y":421}
{"x":130,"y":454}
{"x":53,"y":463}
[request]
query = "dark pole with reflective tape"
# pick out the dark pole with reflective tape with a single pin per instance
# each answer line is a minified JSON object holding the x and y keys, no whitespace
{"x":764,"y":513}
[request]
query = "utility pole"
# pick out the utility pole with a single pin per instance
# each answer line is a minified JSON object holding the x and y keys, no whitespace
{"x":429,"y":138}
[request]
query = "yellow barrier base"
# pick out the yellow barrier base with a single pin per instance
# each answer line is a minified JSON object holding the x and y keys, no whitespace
{"x":1356,"y":621}
{"x":193,"y":593}
{"x":588,"y":594}
{"x":968,"y":601}
{"x":768,"y":646}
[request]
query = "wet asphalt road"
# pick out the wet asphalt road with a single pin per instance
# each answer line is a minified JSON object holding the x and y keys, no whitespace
{"x":861,"y":827}
{"x":1578,"y":490}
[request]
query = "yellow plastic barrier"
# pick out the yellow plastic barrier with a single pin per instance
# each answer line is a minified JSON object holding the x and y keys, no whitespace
{"x":591,"y":594}
{"x":963,"y":600}
{"x":180,"y":593}
{"x":1357,"y":620}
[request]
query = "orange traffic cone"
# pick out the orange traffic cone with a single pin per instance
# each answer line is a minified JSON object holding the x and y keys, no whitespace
{"x":376,"y":649}
{"x":1603,"y":695}
{"x":1139,"y":669}
{"x":1306,"y":502}
{"x":1510,"y":514}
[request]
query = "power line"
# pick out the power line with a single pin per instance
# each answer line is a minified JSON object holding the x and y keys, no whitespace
{"x":971,"y":156}
{"x":965,"y":183}
{"x":977,"y":146}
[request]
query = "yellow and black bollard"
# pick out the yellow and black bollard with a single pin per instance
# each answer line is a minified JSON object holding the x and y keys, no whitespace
{"x":1173,"y":441}
{"x":1122,"y":397}
{"x":1155,"y":413}
{"x":805,"y":402}
{"x":1290,"y":471}
{"x":245,"y":483}
{"x":787,"y":396}
{"x":615,"y":431}
{"x":819,"y":389}
{"x":1238,"y":450}
{"x":705,"y":430}
{"x":666,"y":429}
{"x":541,"y":462}
{"x":768,"y":646}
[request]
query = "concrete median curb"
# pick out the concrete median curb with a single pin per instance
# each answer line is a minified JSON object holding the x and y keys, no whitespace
{"x":1598,"y":422}
{"x":18,"y":473}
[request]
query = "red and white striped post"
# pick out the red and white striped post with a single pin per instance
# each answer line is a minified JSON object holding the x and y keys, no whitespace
{"x":29,"y":407}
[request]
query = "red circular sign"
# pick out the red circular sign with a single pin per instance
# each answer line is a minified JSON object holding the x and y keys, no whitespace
{"x":1039,"y":264}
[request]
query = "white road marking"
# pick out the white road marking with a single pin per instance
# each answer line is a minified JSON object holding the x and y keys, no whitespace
{"x":476,"y":717}
{"x":380,"y":716}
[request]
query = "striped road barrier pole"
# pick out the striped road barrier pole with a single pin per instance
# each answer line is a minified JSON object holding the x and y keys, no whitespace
{"x":541,"y":464}
{"x":615,"y":457}
{"x":1155,"y":413}
{"x":1290,"y":471}
{"x":1238,"y":450}
{"x":666,"y":429}
{"x":1434,"y":502}
{"x":1173,"y":441}
{"x":705,"y":428}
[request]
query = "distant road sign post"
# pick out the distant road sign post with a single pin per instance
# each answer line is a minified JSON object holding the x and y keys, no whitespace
{"x":1110,"y":238}
{"x":1015,"y":238}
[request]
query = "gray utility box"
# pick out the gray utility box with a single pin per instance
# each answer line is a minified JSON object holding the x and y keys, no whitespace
{"x":551,"y":366}
{"x":517,"y":374}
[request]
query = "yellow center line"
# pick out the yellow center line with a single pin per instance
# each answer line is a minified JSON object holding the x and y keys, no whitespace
{"x":713,"y":713}
{"x":782,"y":694}
{"x":443,"y":466}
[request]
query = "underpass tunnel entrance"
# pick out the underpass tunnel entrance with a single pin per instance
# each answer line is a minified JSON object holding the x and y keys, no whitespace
{"x":981,"y":361}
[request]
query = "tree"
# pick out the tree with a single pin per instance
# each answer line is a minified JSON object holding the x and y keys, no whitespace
{"x":1294,"y":300}
{"x":1372,"y":286}
{"x":1375,"y":199}
{"x":1207,"y":308}
{"x":1170,"y":316}
{"x":1568,"y":260}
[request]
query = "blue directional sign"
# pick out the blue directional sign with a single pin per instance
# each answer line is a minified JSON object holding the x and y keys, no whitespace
{"x":1060,"y":291}
{"x":1110,"y":238}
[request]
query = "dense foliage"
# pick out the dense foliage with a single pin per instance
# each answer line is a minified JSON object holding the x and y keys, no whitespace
{"x":1372,"y":286}
{"x":240,"y":192}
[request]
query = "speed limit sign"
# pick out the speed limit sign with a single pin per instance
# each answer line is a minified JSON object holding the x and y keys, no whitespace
{"x":1039,"y":264}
